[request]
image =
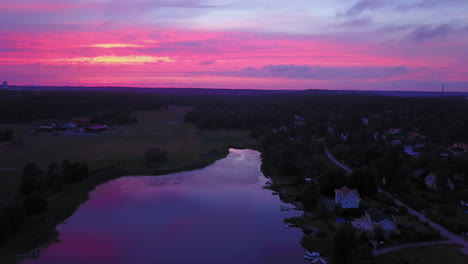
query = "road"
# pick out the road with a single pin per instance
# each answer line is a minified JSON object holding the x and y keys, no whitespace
{"x":395,"y":248}
{"x":452,"y":238}
{"x":330,"y":156}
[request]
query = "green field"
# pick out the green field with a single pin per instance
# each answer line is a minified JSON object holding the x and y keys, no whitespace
{"x":438,"y":254}
{"x":124,"y":146}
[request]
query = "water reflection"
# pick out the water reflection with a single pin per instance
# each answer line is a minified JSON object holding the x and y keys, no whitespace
{"x":219,"y":214}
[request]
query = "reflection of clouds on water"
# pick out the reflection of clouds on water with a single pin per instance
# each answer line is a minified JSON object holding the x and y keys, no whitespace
{"x":218,"y":214}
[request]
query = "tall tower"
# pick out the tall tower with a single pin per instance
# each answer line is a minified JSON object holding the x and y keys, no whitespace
{"x":5,"y":85}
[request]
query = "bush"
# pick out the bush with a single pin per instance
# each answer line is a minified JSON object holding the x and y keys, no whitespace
{"x":29,"y":179}
{"x":35,"y":204}
{"x":74,"y":172}
{"x":155,"y":155}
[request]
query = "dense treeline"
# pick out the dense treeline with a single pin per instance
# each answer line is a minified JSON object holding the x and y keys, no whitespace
{"x":26,"y":106}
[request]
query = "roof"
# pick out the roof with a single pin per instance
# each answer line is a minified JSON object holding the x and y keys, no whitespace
{"x":98,"y":127}
{"x":345,"y":191}
{"x":431,"y":175}
{"x":378,"y":216}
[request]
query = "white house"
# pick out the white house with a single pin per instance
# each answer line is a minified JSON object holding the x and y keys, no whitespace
{"x":378,"y":218}
{"x":347,"y":198}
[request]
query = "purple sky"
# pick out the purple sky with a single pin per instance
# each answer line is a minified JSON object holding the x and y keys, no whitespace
{"x":297,"y":44}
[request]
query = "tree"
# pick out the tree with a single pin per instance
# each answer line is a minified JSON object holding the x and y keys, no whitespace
{"x":7,"y":134}
{"x":310,"y":195}
{"x":35,"y":204}
{"x":29,"y":178}
{"x":345,"y":241}
{"x":155,"y":155}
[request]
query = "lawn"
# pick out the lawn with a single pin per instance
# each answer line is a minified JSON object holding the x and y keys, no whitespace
{"x":439,"y":254}
{"x":124,"y":145}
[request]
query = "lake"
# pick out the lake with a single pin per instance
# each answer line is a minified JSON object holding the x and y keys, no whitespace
{"x":218,"y":214}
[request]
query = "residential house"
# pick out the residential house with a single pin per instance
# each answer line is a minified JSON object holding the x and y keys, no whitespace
{"x":363,"y":224}
{"x":344,"y":137}
{"x":347,"y":198}
{"x":460,"y":146}
{"x":299,"y":120}
{"x":431,"y":181}
{"x":395,"y":131}
{"x":409,"y":150}
{"x":97,"y":128}
{"x":81,"y":121}
{"x":378,"y":218}
{"x":48,"y":129}
{"x":450,"y":185}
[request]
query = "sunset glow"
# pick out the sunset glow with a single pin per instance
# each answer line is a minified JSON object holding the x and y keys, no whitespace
{"x":366,"y":44}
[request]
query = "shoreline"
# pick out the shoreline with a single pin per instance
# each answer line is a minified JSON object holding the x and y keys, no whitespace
{"x":39,"y":231}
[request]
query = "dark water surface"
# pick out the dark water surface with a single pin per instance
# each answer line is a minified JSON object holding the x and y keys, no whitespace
{"x":219,"y":214}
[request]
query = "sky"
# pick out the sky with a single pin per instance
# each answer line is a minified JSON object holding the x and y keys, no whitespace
{"x":244,"y":44}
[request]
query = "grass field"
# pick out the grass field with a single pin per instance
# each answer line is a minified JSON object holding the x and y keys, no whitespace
{"x":439,"y":254}
{"x":124,"y":146}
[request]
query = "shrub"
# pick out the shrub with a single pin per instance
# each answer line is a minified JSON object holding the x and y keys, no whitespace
{"x":155,"y":155}
{"x":35,"y":204}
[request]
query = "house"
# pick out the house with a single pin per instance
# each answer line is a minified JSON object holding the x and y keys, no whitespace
{"x":409,"y":150}
{"x":347,"y":198}
{"x":396,"y":142}
{"x":48,"y":129}
{"x":460,"y":146}
{"x":431,"y":181}
{"x":97,"y":128}
{"x":299,"y":120}
{"x":344,"y":137}
{"x":378,"y":218}
{"x":395,"y":131}
{"x":450,"y":185}
{"x":364,"y":121}
{"x":363,"y":224}
{"x":319,"y":260}
{"x":284,"y":129}
{"x":81,"y":121}
{"x":444,"y":155}
{"x":5,"y":85}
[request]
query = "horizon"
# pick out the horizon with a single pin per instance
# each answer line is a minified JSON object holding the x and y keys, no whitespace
{"x":363,"y":45}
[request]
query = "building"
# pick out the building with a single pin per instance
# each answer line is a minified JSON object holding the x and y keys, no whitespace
{"x":431,"y":181}
{"x":81,"y":121}
{"x":409,"y":150}
{"x":378,"y":218}
{"x":364,"y":121}
{"x":97,"y":128}
{"x":5,"y":85}
{"x":347,"y":198}
{"x":395,"y":131}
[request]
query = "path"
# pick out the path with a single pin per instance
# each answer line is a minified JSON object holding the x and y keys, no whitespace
{"x":330,"y":156}
{"x":421,"y":244}
{"x":452,"y":238}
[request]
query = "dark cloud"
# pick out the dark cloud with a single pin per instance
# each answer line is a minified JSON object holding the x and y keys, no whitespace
{"x":427,"y":4}
{"x":316,"y":72}
{"x":358,"y":22}
{"x":443,"y":31}
{"x":209,"y":62}
{"x":364,"y":5}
